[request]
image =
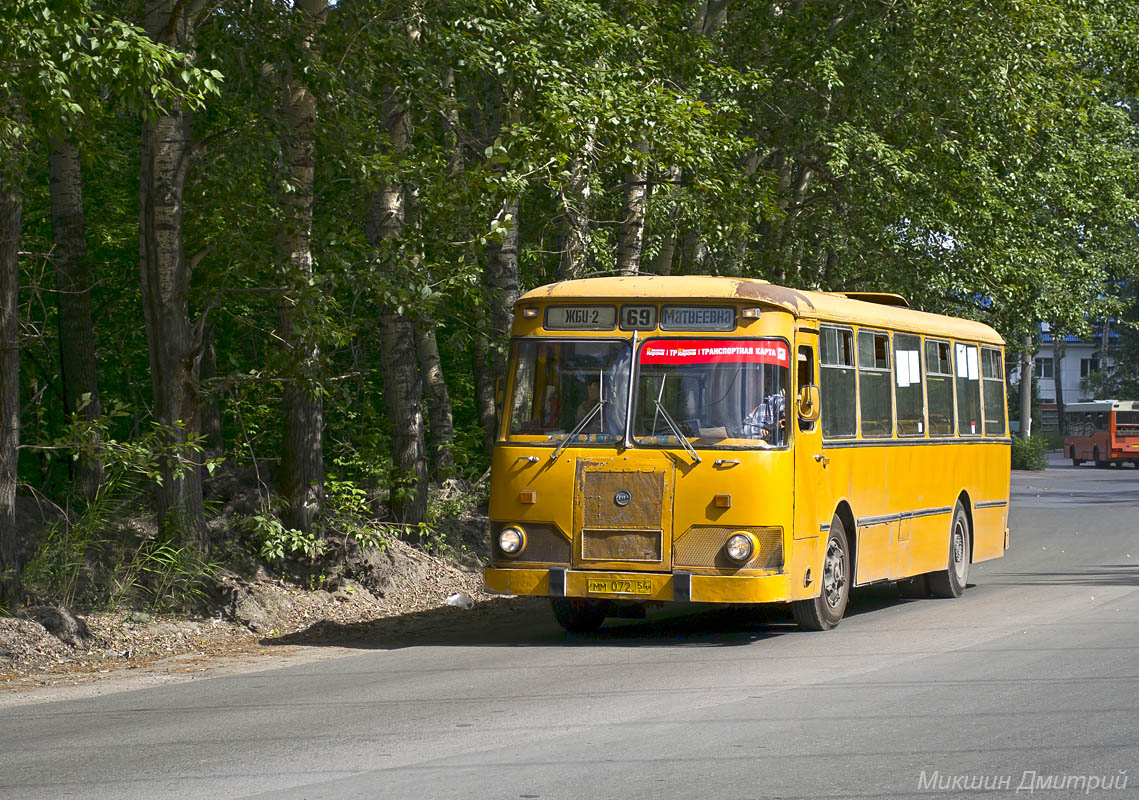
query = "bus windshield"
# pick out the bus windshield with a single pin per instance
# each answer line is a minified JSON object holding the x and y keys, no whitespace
{"x":558,"y":384}
{"x":719,"y":392}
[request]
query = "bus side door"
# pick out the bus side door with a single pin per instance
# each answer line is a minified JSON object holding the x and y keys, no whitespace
{"x":813,"y":505}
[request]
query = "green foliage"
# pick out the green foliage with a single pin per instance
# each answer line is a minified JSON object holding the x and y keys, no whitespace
{"x":165,"y":577}
{"x":63,"y":562}
{"x":1030,"y":453}
{"x":89,"y":556}
{"x":275,"y":542}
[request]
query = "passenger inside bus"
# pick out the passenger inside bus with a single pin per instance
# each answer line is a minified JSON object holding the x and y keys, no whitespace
{"x":768,"y":420}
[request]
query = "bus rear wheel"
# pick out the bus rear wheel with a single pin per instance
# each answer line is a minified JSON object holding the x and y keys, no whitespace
{"x":579,"y":615}
{"x":825,"y":611}
{"x":952,"y":581}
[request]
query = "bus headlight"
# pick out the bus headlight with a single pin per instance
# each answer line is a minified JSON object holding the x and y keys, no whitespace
{"x":740,"y":547}
{"x":511,"y":540}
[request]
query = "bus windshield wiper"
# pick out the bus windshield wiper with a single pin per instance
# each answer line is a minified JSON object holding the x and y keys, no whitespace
{"x":677,"y":432}
{"x":578,"y":428}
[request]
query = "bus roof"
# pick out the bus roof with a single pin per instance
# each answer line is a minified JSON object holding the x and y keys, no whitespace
{"x":1101,"y":405}
{"x":827,"y":306}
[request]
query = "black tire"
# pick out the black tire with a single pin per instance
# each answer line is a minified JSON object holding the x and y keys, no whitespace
{"x":951,"y":581}
{"x":579,"y":615}
{"x":825,"y":611}
{"x":1076,"y":462}
{"x":914,"y":588}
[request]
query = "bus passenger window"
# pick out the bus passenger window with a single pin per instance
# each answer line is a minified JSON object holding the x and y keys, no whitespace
{"x":939,"y":382}
{"x":836,"y":381}
{"x":908,"y":384}
{"x":992,"y":373}
{"x":874,"y":383}
{"x":968,"y":389}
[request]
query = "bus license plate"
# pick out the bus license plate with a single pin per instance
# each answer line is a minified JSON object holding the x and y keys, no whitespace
{"x":619,"y":586}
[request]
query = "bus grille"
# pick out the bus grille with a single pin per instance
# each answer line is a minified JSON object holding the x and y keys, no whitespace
{"x":703,"y":546}
{"x":599,"y":490}
{"x":621,"y":545}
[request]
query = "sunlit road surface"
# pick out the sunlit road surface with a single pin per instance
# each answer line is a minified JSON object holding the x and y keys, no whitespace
{"x":1029,"y":681}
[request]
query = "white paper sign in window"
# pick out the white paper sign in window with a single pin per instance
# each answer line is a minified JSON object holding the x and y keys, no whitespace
{"x":903,"y":370}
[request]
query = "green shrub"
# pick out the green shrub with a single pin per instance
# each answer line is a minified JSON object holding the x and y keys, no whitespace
{"x":1029,"y":453}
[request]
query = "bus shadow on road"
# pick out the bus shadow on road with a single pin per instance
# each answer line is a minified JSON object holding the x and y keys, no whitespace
{"x":1105,"y":575}
{"x":528,"y":622}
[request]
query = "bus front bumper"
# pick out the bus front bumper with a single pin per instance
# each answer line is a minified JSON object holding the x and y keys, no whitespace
{"x":678,"y":587}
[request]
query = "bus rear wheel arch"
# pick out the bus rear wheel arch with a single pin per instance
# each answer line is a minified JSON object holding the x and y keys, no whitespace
{"x":825,"y":611}
{"x":951,"y":581}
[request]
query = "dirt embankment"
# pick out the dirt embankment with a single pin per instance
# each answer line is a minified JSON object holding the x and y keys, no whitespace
{"x":255,"y":618}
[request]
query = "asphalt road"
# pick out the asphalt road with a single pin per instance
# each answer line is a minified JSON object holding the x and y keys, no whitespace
{"x":1031,"y":680}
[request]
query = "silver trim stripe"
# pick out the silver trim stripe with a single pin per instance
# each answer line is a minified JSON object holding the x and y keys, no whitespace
{"x":866,"y":522}
{"x":884,"y":519}
{"x":841,"y":444}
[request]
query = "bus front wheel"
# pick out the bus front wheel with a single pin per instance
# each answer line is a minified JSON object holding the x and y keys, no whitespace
{"x":825,"y":611}
{"x":579,"y":615}
{"x":952,"y":581}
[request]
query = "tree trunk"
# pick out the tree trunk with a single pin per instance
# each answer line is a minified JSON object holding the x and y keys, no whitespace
{"x":1103,"y":349}
{"x":631,"y":233}
{"x":11,"y":207}
{"x":439,"y":420}
{"x":501,"y":281}
{"x":209,"y":414}
{"x":302,"y":462}
{"x":165,"y":280}
{"x":73,"y":299}
{"x":1058,"y":382}
{"x":485,"y":389}
{"x":402,"y":397}
{"x":575,"y":202}
{"x":403,"y":390}
{"x":1026,"y":388}
{"x":662,"y":264}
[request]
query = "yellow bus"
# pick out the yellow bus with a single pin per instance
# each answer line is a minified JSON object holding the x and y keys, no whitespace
{"x":697,"y":439}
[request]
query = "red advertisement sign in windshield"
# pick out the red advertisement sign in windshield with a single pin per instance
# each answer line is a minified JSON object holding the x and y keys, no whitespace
{"x":714,"y":351}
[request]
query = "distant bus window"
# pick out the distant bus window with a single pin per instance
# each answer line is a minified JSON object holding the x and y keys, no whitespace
{"x":907,"y":385}
{"x":992,"y":373}
{"x":939,"y":375}
{"x":968,"y":376}
{"x":874,"y":383}
{"x":836,"y":381}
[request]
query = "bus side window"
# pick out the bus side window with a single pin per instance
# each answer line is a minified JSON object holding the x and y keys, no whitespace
{"x":806,"y":377}
{"x":836,"y":381}
{"x":876,"y":404}
{"x":968,"y":389}
{"x":939,"y":383}
{"x":993,"y":389}
{"x":908,"y":396}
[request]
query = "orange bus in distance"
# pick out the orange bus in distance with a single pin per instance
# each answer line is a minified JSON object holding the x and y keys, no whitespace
{"x":1103,"y":432}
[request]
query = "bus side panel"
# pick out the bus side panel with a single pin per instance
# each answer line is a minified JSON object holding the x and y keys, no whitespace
{"x":937,"y":475}
{"x":859,"y":474}
{"x":905,"y":494}
{"x":990,"y":485}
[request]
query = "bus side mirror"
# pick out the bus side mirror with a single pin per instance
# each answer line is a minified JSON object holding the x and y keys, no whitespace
{"x":499,"y":393}
{"x":809,"y":405}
